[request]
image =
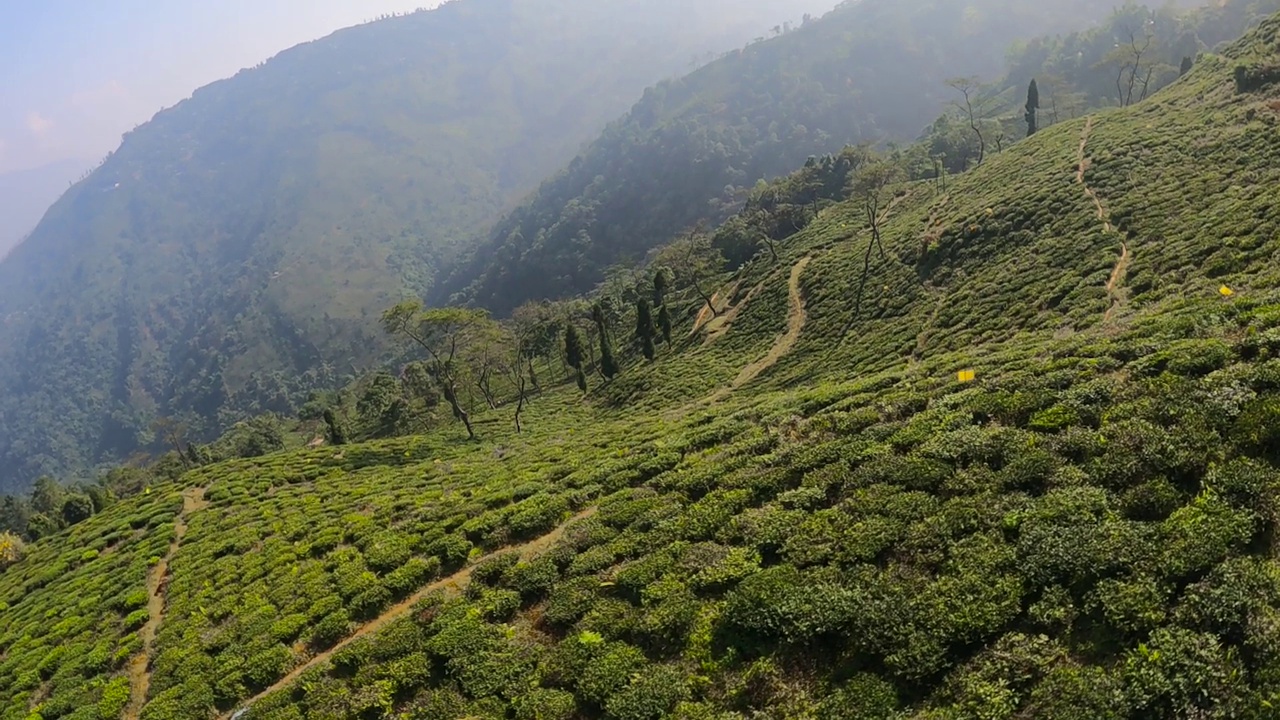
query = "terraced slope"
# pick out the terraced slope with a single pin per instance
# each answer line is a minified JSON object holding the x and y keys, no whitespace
{"x":1085,"y":530}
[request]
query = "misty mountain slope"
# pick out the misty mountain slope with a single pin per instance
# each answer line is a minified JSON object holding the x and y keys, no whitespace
{"x":25,"y":196}
{"x":869,"y":71}
{"x":1081,"y":527}
{"x":250,"y":235}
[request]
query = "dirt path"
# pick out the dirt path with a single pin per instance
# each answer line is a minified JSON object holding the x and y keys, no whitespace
{"x":1115,"y":282}
{"x":157,"y":586}
{"x":796,"y":318}
{"x":456,"y":582}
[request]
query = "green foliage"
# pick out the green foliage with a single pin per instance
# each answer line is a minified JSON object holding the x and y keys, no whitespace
{"x":273,"y":213}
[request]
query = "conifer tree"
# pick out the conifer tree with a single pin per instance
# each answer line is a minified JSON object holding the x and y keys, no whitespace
{"x":608,"y":365}
{"x":660,"y":288}
{"x":644,"y":328}
{"x":336,"y":435}
{"x":664,"y":324}
{"x":1187,"y":63}
{"x":575,"y":354}
{"x":1033,"y":104}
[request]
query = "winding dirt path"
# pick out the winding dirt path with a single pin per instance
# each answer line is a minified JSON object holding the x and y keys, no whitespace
{"x":1116,"y":281}
{"x":796,"y":318}
{"x":157,"y":586}
{"x":456,"y":582}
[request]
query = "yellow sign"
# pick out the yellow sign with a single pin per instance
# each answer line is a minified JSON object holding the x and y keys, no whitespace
{"x":966,"y":376}
{"x":1226,"y":291}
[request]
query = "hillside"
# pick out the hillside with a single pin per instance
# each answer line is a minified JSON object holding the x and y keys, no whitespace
{"x":234,"y":251}
{"x":796,"y":511}
{"x":870,"y":71}
{"x":26,"y":194}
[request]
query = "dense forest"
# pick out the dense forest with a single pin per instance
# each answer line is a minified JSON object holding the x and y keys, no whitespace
{"x":694,"y":148}
{"x":994,"y":443}
{"x":232,"y":254}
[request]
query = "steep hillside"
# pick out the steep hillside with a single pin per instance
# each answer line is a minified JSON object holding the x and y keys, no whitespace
{"x":26,"y":194}
{"x":869,"y":71}
{"x":1034,"y":476}
{"x":236,"y":249}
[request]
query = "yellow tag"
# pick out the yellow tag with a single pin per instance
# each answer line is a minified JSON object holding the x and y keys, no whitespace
{"x":966,"y":376}
{"x":1226,"y":291}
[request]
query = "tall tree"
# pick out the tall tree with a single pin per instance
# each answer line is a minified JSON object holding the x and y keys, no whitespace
{"x":644,"y":329}
{"x":334,"y":430}
{"x":974,"y":103}
{"x":575,"y":354}
{"x":443,"y":333}
{"x":1187,"y":64}
{"x":694,"y":261}
{"x":608,"y":364}
{"x":660,"y":287}
{"x":1033,"y":105}
{"x":664,"y":324}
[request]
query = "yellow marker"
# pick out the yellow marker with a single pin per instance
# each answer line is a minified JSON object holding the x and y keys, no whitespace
{"x":966,"y":376}
{"x":1226,"y":291}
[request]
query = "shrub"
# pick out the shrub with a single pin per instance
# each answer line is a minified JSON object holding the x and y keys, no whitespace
{"x":453,"y":550}
{"x":332,"y":628}
{"x":1180,"y":673}
{"x":412,"y":575}
{"x":491,"y":570}
{"x":571,"y":600}
{"x":610,"y":671}
{"x":533,"y":579}
{"x":544,"y":704}
{"x":12,"y":549}
{"x":781,"y":604}
{"x":862,"y":697}
{"x":651,"y":695}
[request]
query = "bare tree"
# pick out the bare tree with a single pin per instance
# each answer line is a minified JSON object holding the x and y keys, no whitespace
{"x":443,"y":333}
{"x":974,"y":104}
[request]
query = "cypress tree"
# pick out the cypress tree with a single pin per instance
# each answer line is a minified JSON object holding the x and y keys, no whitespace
{"x":573,"y":350}
{"x":644,"y":328}
{"x":608,"y":365}
{"x":1033,"y":104}
{"x":660,"y":288}
{"x":575,"y":353}
{"x":336,"y":435}
{"x":664,"y":323}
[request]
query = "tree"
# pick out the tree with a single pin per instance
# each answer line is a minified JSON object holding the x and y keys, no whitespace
{"x":575,"y":354}
{"x":1133,"y":63}
{"x":1033,"y":105}
{"x":1187,"y":64}
{"x":172,"y":432}
{"x":644,"y":329}
{"x":608,"y":365}
{"x":871,"y":183}
{"x":336,"y":436}
{"x":443,"y":333}
{"x":77,"y":508}
{"x":694,"y":260}
{"x":664,"y":323}
{"x":975,"y":104}
{"x":660,"y":288}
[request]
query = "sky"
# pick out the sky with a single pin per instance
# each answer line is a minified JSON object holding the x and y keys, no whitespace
{"x":77,"y":74}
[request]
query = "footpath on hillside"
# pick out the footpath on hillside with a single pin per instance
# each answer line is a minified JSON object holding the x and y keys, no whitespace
{"x":1116,"y":281}
{"x":455,"y":583}
{"x":157,"y":592}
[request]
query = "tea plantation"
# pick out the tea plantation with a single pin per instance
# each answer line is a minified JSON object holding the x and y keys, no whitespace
{"x":801,"y":512}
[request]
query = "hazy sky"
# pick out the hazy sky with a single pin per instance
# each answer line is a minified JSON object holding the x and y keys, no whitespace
{"x":76,"y":74}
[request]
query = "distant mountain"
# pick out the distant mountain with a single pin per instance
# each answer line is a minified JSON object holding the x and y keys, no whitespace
{"x":236,"y":250}
{"x":870,"y":71}
{"x":25,"y":195}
